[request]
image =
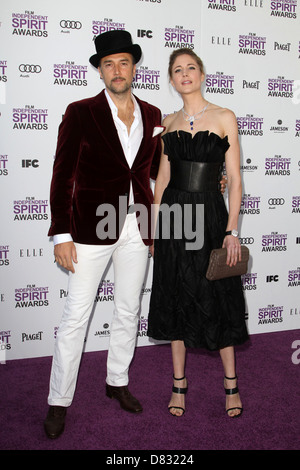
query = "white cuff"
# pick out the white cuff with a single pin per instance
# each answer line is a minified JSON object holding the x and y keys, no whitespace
{"x":62,"y":238}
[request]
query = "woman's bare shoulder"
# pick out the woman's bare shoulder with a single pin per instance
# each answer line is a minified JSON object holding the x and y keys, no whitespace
{"x":170,"y":121}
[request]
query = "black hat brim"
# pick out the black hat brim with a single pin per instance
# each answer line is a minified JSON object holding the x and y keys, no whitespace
{"x":134,"y":50}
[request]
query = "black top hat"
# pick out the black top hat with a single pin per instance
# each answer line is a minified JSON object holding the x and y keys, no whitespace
{"x":113,"y":42}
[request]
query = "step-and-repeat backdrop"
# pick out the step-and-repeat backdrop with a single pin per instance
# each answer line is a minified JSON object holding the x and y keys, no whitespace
{"x":251,"y":52}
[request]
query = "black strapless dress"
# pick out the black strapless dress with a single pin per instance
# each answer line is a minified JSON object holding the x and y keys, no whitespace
{"x":184,"y":305}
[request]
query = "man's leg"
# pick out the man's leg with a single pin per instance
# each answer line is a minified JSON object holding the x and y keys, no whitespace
{"x":82,"y":288}
{"x":130,"y":261}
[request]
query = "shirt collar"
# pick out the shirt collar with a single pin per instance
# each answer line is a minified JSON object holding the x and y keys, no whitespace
{"x":114,"y":109}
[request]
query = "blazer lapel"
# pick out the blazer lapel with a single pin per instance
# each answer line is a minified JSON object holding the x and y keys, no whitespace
{"x":147,"y":131}
{"x":102,"y":116}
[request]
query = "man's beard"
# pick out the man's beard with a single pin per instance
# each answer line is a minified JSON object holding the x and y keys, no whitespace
{"x":119,"y":90}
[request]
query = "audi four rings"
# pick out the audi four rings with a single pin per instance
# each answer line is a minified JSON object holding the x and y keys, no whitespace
{"x":30,"y":68}
{"x":70,"y":24}
{"x":276,"y":201}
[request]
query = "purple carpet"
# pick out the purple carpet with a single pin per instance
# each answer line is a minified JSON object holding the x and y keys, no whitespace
{"x":269,"y":386}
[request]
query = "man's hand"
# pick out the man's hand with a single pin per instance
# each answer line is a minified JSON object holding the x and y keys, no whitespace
{"x":223,"y":184}
{"x":65,"y":254}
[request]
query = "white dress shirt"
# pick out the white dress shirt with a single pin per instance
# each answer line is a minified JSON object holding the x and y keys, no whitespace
{"x":130,"y":143}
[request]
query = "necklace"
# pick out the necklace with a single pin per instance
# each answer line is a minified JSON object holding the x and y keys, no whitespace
{"x":191,"y":119}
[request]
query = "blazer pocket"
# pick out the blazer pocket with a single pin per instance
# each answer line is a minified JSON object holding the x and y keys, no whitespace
{"x":89,"y":195}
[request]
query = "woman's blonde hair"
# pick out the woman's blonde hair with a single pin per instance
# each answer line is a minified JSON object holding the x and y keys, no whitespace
{"x":184,"y":50}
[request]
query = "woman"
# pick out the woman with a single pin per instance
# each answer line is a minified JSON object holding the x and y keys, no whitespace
{"x":185,"y":307}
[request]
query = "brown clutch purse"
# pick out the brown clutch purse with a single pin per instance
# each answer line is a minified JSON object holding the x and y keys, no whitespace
{"x":218,"y":269}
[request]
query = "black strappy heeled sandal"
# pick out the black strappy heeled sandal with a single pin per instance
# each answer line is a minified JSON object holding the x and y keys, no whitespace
{"x":178,"y":390}
{"x":233,"y":391}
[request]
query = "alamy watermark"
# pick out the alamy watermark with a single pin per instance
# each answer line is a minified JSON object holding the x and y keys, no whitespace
{"x":296,"y":353}
{"x":187,"y":221}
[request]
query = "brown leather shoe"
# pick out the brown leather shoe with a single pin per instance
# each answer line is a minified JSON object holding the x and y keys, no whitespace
{"x":123,"y":395}
{"x":54,"y":423}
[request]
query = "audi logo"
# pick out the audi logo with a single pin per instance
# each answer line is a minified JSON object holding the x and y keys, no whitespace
{"x":30,"y":68}
{"x":276,"y":201}
{"x":246,"y":241}
{"x":70,"y":24}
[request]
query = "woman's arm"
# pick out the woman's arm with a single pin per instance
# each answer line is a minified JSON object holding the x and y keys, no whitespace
{"x":232,"y":161}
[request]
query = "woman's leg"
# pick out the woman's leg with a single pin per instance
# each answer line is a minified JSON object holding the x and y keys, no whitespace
{"x":178,"y":357}
{"x":232,"y":401}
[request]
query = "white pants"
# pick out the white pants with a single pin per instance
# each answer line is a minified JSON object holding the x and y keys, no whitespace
{"x":129,"y":257}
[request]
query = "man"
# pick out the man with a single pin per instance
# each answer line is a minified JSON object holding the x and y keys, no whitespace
{"x":106,"y":153}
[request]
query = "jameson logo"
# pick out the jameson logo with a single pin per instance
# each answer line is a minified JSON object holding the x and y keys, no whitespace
{"x":252,"y":44}
{"x":250,"y":204}
{"x":249,"y":167}
{"x":284,"y":8}
{"x":146,"y":79}
{"x":294,"y":278}
{"x":70,"y":74}
{"x":227,"y":5}
{"x":219,"y":83}
{"x":29,"y":24}
{"x":31,"y":296}
{"x":108,"y":24}
{"x":250,"y":125}
{"x":274,"y":242}
{"x":103,"y":333}
{"x":30,"y":118}
{"x":270,"y":314}
{"x":277,"y":166}
{"x":188,"y":222}
{"x":179,"y":37}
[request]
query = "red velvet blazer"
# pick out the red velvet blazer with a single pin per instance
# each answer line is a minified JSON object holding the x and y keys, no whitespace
{"x":90,"y":169}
